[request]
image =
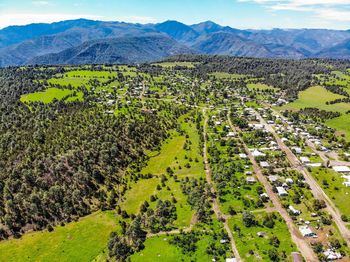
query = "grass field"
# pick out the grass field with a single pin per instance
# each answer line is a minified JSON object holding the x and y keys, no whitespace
{"x":223,"y":75}
{"x":159,"y":249}
{"x":317,"y":97}
{"x":81,"y":77}
{"x":172,"y":155}
{"x":76,"y":241}
{"x":50,"y":94}
{"x":342,"y":124}
{"x":334,"y":188}
{"x":173,"y":64}
{"x":261,"y":87}
{"x":248,"y":239}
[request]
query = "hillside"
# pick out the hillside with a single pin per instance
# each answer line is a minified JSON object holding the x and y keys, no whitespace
{"x":117,"y":50}
{"x":22,"y":44}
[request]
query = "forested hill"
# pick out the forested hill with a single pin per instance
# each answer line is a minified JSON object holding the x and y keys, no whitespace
{"x":60,"y":161}
{"x":60,"y":42}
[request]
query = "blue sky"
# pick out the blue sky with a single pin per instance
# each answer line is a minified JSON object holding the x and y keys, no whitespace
{"x":244,"y":14}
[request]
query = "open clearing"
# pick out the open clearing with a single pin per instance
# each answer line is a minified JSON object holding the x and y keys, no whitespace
{"x":173,"y":64}
{"x":247,"y":239}
{"x":317,"y":97}
{"x":77,"y":241}
{"x":50,"y":94}
{"x":342,"y":124}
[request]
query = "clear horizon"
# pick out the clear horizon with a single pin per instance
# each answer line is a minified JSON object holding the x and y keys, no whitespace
{"x":242,"y":14}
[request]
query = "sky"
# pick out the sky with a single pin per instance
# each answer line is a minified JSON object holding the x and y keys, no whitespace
{"x":242,"y":14}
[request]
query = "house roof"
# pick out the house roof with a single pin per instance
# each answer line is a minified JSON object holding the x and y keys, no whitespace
{"x":341,"y":169}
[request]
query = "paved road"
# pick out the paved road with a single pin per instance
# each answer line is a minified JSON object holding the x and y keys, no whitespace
{"x":216,"y":207}
{"x":315,"y":187}
{"x":303,"y":246}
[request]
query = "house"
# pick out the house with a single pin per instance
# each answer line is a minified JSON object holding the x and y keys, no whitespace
{"x":289,"y":181}
{"x":273,"y":178}
{"x":264,"y":195}
{"x":223,"y":241}
{"x":264,"y":164}
{"x":257,"y":153}
{"x":331,"y":254}
{"x":243,"y":156}
{"x":347,"y":181}
{"x":232,"y":259}
{"x":304,"y":160}
{"x":281,"y":191}
{"x":294,"y":211}
{"x":314,"y":164}
{"x":231,"y":134}
{"x":297,"y":150}
{"x":341,"y":169}
{"x":306,"y":231}
{"x":250,"y":180}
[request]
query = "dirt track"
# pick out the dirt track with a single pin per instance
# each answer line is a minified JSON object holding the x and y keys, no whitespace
{"x":303,"y":246}
{"x":216,"y":207}
{"x":315,"y":188}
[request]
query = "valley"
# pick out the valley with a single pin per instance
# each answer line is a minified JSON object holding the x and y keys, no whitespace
{"x":194,"y":158}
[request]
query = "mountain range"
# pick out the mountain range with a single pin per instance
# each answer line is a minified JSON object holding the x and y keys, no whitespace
{"x":87,"y":41}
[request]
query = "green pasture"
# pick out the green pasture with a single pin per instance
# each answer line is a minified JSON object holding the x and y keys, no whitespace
{"x":50,"y":94}
{"x":76,"y":241}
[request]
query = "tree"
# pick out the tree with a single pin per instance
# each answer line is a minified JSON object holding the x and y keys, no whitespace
{"x":248,"y":219}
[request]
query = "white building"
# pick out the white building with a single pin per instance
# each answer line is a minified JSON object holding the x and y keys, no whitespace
{"x":257,"y":153}
{"x":307,"y":232}
{"x":281,"y":191}
{"x":264,"y":164}
{"x":341,"y":169}
{"x":243,"y":156}
{"x":250,"y":180}
{"x":305,"y":160}
{"x":294,"y":211}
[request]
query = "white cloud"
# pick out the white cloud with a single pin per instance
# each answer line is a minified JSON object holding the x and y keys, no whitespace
{"x":7,"y":19}
{"x":332,"y":10}
{"x":332,"y":14}
{"x":137,"y":19}
{"x":40,"y":3}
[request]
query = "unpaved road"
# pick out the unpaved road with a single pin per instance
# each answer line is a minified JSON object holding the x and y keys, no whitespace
{"x":303,"y":246}
{"x":216,"y":207}
{"x":315,"y":188}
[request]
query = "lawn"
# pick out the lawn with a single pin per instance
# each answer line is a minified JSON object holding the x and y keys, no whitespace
{"x":317,"y":97}
{"x":77,"y":241}
{"x":50,"y":94}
